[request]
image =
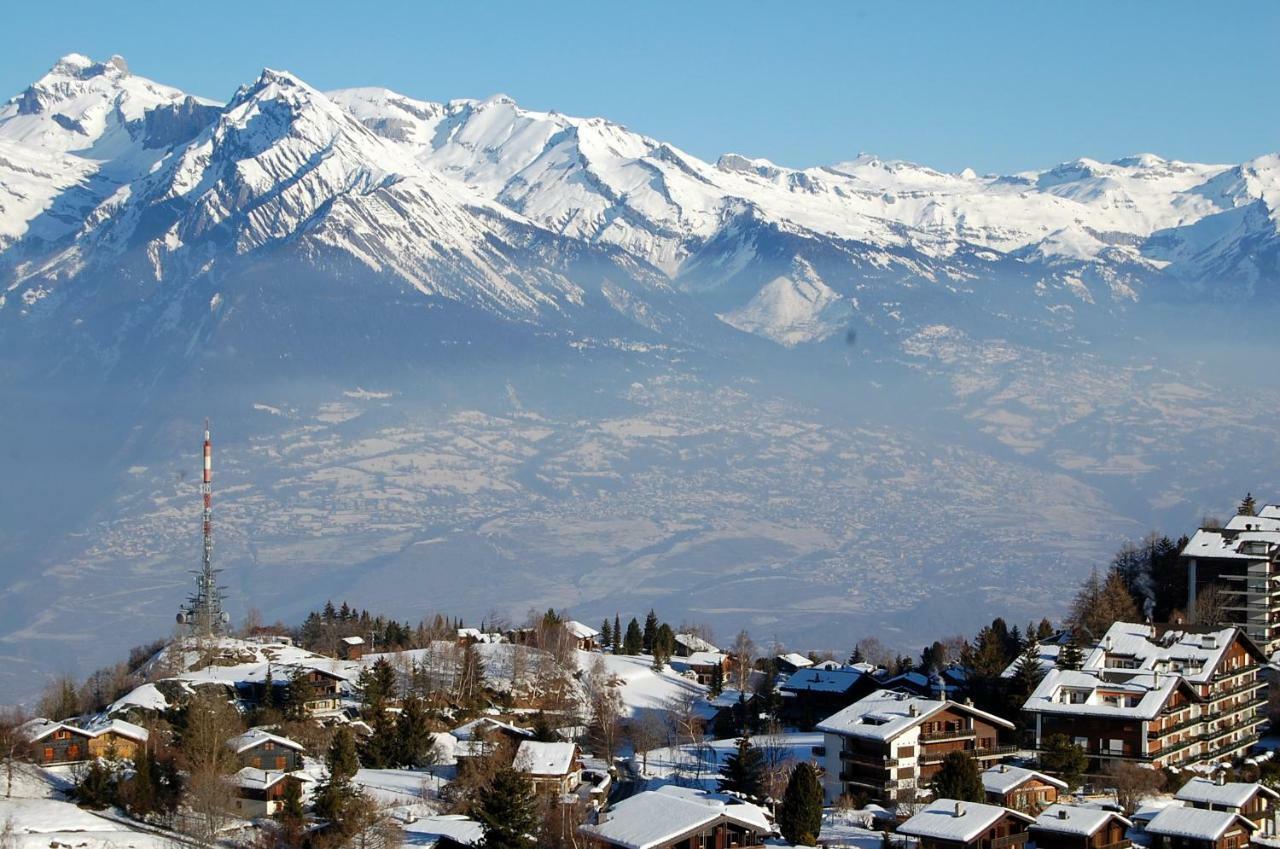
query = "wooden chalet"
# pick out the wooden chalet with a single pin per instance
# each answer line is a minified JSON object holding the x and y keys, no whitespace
{"x":1178,"y":827}
{"x":1022,"y":789}
{"x":1256,"y":802}
{"x":950,"y":824}
{"x":679,"y":818}
{"x":1074,"y":827}
{"x":550,"y":767}
{"x":263,"y":750}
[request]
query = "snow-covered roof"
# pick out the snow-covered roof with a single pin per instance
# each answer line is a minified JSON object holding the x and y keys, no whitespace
{"x":797,"y":661}
{"x":1132,"y":695}
{"x":38,"y":729}
{"x":960,"y":822}
{"x":1046,"y":658}
{"x":1075,"y":819}
{"x":580,"y":631}
{"x":1230,"y":794}
{"x":822,"y":680}
{"x":885,"y":714}
{"x":698,"y":658}
{"x":353,"y":641}
{"x":692,"y":642}
{"x":1002,"y":778}
{"x":255,"y":737}
{"x":250,"y":778}
{"x":1195,"y":655}
{"x":656,"y":817}
{"x":429,"y":831}
{"x":1258,"y":541}
{"x":537,"y":758}
{"x":468,"y":731}
{"x":1195,"y":823}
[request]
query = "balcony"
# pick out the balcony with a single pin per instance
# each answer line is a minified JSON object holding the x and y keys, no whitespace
{"x":868,"y":759}
{"x":943,"y":736}
{"x":992,"y":752}
{"x":1009,"y":840}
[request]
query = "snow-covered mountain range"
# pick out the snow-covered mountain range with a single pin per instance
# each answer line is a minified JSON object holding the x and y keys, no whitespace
{"x":124,"y":203}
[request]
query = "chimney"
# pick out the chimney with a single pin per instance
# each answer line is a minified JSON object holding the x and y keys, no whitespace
{"x":1004,"y":767}
{"x":959,"y":809}
{"x":1062,"y":813}
{"x":912,"y":710}
{"x":1221,"y":778}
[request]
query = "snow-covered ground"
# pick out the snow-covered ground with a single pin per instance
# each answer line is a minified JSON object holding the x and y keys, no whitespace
{"x":641,"y":688}
{"x":701,"y":763}
{"x":39,"y":818}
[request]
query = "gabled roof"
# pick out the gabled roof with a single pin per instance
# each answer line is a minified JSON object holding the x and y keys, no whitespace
{"x":822,"y":681}
{"x":960,"y":822}
{"x":1195,"y":654}
{"x":250,"y":778}
{"x":353,"y":641}
{"x":580,"y":631}
{"x":693,"y":642}
{"x":40,"y":729}
{"x":1148,"y":692}
{"x":536,"y":758}
{"x":469,"y":730}
{"x":256,"y":737}
{"x":1195,"y":823}
{"x":793,"y":659}
{"x":1230,"y":794}
{"x":657,"y":817}
{"x":885,"y":714}
{"x":1003,"y":778}
{"x":1074,"y":819}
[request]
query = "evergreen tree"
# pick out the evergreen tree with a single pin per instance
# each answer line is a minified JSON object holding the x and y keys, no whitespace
{"x":377,"y":685}
{"x":664,"y":645}
{"x":508,"y":812}
{"x":1044,"y":630}
{"x":1248,"y":507}
{"x":381,"y":750}
{"x":542,"y":730}
{"x":96,"y":788}
{"x":856,"y":656}
{"x":1027,"y":675}
{"x":717,"y":680}
{"x":606,"y":634}
{"x":1063,"y":758}
{"x":415,"y":745}
{"x":139,"y":794}
{"x":335,"y":793}
{"x":743,"y":772}
{"x":1070,"y":656}
{"x":293,"y":819}
{"x":617,"y":635}
{"x":650,"y":630}
{"x":296,"y":695}
{"x":958,"y":778}
{"x":633,"y":643}
{"x":800,"y":815}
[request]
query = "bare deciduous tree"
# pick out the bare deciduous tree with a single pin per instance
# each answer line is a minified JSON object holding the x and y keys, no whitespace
{"x":744,"y":655}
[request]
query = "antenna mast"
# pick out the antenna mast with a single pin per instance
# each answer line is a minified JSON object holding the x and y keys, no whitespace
{"x":203,"y":611}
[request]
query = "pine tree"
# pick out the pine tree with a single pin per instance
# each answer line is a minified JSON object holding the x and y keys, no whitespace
{"x":508,"y":812}
{"x":743,"y":772}
{"x":664,"y":645}
{"x":1028,"y":673}
{"x":293,"y":820}
{"x":1063,"y":758}
{"x":415,"y":745}
{"x":856,"y":656}
{"x":717,"y":680}
{"x":617,"y":634}
{"x":377,"y":685}
{"x":800,"y":815}
{"x":1070,"y":656}
{"x":335,"y":793}
{"x":958,"y":778}
{"x":633,"y":643}
{"x":138,"y":795}
{"x":650,"y":630}
{"x":1248,"y":507}
{"x":606,"y":634}
{"x":296,"y":695}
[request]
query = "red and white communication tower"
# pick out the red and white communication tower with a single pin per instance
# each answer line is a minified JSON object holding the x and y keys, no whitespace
{"x":203,"y":611}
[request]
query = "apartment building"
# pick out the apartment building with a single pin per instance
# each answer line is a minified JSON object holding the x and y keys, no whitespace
{"x":887,"y":744}
{"x":1241,"y":563}
{"x":1159,"y":695}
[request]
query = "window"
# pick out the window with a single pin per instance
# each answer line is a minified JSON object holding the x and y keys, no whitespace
{"x":48,"y":753}
{"x":279,"y":761}
{"x":73,"y":751}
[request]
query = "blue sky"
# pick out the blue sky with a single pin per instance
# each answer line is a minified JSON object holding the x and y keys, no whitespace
{"x":993,"y":86}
